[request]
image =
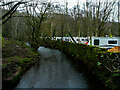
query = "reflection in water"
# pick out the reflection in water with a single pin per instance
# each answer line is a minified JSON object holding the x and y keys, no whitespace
{"x":54,"y":71}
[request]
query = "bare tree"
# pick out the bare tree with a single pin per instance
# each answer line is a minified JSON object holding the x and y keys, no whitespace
{"x":10,"y":12}
{"x":35,"y":21}
{"x":119,"y":17}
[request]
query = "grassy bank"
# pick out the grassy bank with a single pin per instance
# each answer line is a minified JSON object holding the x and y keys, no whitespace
{"x":17,"y":57}
{"x":94,"y":58}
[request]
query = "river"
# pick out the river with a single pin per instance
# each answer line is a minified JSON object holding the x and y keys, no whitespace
{"x":55,"y":70}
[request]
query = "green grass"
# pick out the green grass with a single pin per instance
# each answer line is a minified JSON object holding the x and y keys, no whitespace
{"x":17,"y":57}
{"x":4,"y":65}
{"x":27,"y":59}
{"x":21,"y":60}
{"x":10,"y":60}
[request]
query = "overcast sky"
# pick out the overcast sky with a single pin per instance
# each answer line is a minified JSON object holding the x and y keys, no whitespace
{"x":71,"y":3}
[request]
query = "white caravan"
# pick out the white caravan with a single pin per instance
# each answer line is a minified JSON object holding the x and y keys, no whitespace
{"x":106,"y":42}
{"x":103,"y":42}
{"x":77,"y":39}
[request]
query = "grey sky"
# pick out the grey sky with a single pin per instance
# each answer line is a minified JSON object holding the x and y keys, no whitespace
{"x":71,"y":3}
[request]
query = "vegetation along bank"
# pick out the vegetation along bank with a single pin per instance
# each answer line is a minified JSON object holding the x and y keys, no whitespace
{"x":17,"y":57}
{"x":98,"y":61}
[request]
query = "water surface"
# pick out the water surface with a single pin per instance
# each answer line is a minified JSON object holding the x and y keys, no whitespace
{"x":54,"y":70}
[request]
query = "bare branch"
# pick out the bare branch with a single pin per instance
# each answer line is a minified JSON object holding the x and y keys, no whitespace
{"x":12,"y":9}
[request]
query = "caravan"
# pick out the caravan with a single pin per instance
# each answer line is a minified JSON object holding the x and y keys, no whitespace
{"x":103,"y":42}
{"x":106,"y":42}
{"x":77,"y":39}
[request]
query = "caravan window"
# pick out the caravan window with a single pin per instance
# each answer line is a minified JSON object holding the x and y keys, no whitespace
{"x":66,"y":39}
{"x":96,"y":42}
{"x":82,"y":39}
{"x":78,"y":39}
{"x":112,"y":42}
{"x":87,"y":40}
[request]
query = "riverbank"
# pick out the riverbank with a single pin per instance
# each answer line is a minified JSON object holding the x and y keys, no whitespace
{"x":17,"y":58}
{"x":94,"y":58}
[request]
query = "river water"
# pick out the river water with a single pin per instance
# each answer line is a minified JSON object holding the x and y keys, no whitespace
{"x":54,"y":70}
